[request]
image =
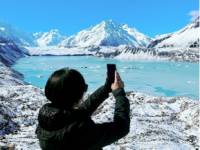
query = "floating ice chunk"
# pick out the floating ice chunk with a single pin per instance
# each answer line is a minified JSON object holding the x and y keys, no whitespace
{"x":40,"y":76}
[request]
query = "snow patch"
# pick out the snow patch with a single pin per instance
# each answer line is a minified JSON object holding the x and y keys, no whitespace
{"x":156,"y":122}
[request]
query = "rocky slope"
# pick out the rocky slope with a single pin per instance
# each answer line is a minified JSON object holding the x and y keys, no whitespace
{"x":156,"y":122}
{"x":20,"y":106}
{"x":9,"y":54}
{"x":9,"y":76}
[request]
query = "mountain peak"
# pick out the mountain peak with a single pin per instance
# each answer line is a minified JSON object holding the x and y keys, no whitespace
{"x":54,"y":31}
{"x":52,"y":37}
{"x":109,"y":22}
{"x":106,"y":33}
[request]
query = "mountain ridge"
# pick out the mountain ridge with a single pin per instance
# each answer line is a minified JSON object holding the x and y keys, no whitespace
{"x":19,"y":37}
{"x":49,"y":38}
{"x":186,"y":37}
{"x":106,"y":33}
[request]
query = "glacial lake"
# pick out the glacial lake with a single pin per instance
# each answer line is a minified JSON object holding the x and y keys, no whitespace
{"x":161,"y":78}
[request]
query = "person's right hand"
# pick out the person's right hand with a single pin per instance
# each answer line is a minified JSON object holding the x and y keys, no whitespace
{"x":118,"y":83}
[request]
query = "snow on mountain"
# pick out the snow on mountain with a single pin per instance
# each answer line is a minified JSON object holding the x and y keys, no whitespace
{"x":138,"y":53}
{"x":187,"y":37}
{"x":107,"y":33}
{"x":19,"y":37}
{"x":130,"y":53}
{"x":20,"y":105}
{"x":156,"y":122}
{"x":9,"y":77}
{"x":51,"y":38}
{"x":140,"y":37}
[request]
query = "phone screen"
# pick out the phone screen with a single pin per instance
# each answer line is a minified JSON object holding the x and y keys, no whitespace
{"x":111,"y":72}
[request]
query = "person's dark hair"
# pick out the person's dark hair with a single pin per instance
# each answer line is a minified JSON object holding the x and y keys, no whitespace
{"x":65,"y":87}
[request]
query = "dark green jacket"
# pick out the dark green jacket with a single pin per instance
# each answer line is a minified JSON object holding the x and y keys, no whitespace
{"x":60,"y":129}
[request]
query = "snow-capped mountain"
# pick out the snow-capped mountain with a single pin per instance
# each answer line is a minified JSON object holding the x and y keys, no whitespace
{"x":19,"y":37}
{"x":187,"y":37}
{"x":107,"y":33}
{"x":51,"y":38}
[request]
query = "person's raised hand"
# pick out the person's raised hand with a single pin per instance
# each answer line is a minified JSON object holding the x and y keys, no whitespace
{"x":118,"y":83}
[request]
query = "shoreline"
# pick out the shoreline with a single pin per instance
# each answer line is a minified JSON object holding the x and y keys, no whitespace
{"x":121,"y":52}
{"x":131,"y":90}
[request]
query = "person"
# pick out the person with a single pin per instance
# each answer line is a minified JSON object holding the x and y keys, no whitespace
{"x":66,"y":124}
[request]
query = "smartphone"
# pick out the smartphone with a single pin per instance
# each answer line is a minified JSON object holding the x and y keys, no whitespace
{"x":111,"y":68}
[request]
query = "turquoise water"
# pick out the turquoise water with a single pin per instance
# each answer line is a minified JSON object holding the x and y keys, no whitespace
{"x":160,"y":78}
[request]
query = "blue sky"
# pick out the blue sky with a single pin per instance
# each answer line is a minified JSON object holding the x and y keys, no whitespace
{"x":151,"y":17}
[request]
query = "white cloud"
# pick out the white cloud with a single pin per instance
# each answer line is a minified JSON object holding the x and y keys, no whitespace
{"x":194,"y":14}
